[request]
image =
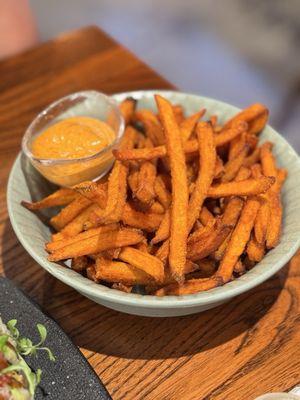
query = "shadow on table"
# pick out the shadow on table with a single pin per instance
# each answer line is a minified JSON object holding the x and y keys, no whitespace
{"x":98,"y":329}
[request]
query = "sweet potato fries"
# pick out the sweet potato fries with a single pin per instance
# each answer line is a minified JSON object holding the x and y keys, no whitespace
{"x":189,"y":204}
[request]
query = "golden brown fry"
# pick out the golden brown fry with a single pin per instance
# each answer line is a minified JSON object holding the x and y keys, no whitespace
{"x":207,"y":163}
{"x":156,"y":208}
{"x":58,"y":244}
{"x":281,"y":176}
{"x":137,"y":219}
{"x":117,"y":183}
{"x":152,"y":265}
{"x":98,"y":243}
{"x":178,"y":113}
{"x":187,"y":126}
{"x":213,"y":120}
{"x":232,"y":166}
{"x":121,"y":287}
{"x":252,"y":158}
{"x":191,"y":146}
{"x":248,"y":187}
{"x":120,"y":272}
{"x":178,"y":228}
{"x":163,"y":251}
{"x":263,"y":214}
{"x":208,"y":244}
{"x":162,"y":193}
{"x":201,"y":232}
{"x":255,"y":115}
{"x":145,"y":183}
{"x":143,"y":115}
{"x":243,"y":174}
{"x":127,"y":108}
{"x":154,"y":132}
{"x":61,"y":197}
{"x":133,"y":181}
{"x":255,"y":250}
{"x":206,"y":216}
{"x":80,"y":264}
{"x":67,"y":214}
{"x":219,"y":168}
{"x":189,"y":287}
{"x":236,"y":146}
{"x":76,"y":225}
{"x":232,"y":211}
{"x":163,"y":232}
{"x":273,"y":195}
{"x":219,"y":253}
{"x":239,"y":268}
{"x":95,"y":192}
{"x":239,"y":239}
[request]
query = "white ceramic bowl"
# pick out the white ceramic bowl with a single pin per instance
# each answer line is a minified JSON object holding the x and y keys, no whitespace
{"x":26,"y":184}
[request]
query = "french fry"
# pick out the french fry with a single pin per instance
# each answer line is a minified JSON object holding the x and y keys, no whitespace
{"x":201,"y":232}
{"x":178,"y":227}
{"x":248,"y":187}
{"x":80,"y":264}
{"x":213,"y":120}
{"x":255,"y":115}
{"x":189,"y":147}
{"x":243,"y":174}
{"x":187,"y":125}
{"x":255,"y":250}
{"x":189,"y":287}
{"x":95,"y":192}
{"x":236,"y":146}
{"x":206,"y":216}
{"x":163,"y":231}
{"x":127,"y":108}
{"x":252,"y":158}
{"x":156,"y":208}
{"x":263,"y":214}
{"x":61,"y":197}
{"x":121,"y":287}
{"x":178,"y":113}
{"x":207,"y":156}
{"x":239,"y":268}
{"x":98,"y":243}
{"x":133,"y":181}
{"x":120,"y":272}
{"x":137,"y":219}
{"x":219,"y":168}
{"x":239,"y":239}
{"x":232,"y":167}
{"x":162,"y":193}
{"x":152,"y":265}
{"x":67,"y":214}
{"x":163,"y":251}
{"x":65,"y":241}
{"x":143,"y":115}
{"x":117,"y":183}
{"x":273,"y":195}
{"x":154,"y":132}
{"x":145,"y":183}
{"x":208,"y":244}
{"x":219,"y":253}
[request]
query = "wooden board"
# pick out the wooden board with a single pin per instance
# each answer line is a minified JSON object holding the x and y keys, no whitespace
{"x":237,"y":351}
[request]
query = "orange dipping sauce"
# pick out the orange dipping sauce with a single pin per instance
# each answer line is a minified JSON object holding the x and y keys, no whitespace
{"x":70,"y":139}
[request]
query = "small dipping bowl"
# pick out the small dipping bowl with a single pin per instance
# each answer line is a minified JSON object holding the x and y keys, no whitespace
{"x":69,"y":172}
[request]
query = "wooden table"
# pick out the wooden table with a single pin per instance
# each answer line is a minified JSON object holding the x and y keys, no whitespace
{"x":236,"y":351}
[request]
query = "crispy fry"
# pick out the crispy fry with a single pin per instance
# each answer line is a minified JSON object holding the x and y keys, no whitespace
{"x":80,"y":264}
{"x":248,"y":187}
{"x":189,"y":287}
{"x":163,"y":251}
{"x":236,"y":146}
{"x":67,"y":214}
{"x":239,"y":268}
{"x":152,"y":265}
{"x":121,"y":272}
{"x":239,"y":239}
{"x":58,"y":244}
{"x":154,"y":132}
{"x":145,"y":183}
{"x":95,"y":192}
{"x":252,"y":158}
{"x":207,"y":157}
{"x":187,"y":126}
{"x":162,"y":193}
{"x":127,"y":108}
{"x":191,"y":146}
{"x":233,"y":165}
{"x":178,"y":228}
{"x":205,"y":216}
{"x":255,"y":250}
{"x":61,"y":197}
{"x":156,"y":208}
{"x":137,"y":219}
{"x":117,"y":183}
{"x":201,"y":232}
{"x":208,"y":244}
{"x":219,"y":168}
{"x":219,"y":253}
{"x":143,"y":115}
{"x":243,"y":174}
{"x":273,"y":195}
{"x":97,"y":243}
{"x":163,"y":232}
{"x":133,"y":182}
{"x":178,"y":113}
{"x":255,"y":115}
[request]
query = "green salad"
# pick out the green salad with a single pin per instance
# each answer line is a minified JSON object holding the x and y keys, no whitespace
{"x":17,"y":380}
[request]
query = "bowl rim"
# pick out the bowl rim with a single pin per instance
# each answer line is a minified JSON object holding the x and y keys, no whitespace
{"x":94,"y":290}
{"x":59,"y":161}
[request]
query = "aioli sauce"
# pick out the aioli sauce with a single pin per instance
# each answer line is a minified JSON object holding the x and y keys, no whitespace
{"x":74,"y":138}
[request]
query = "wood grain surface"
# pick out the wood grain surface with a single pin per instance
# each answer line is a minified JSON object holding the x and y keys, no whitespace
{"x":237,"y":351}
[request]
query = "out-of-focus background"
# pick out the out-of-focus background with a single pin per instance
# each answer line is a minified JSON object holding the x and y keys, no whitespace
{"x":239,"y":51}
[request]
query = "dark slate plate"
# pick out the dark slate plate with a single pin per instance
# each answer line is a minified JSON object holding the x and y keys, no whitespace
{"x":70,"y":377}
